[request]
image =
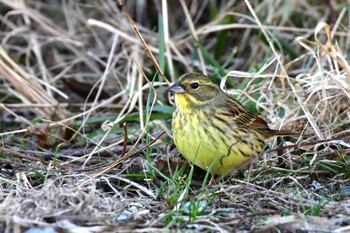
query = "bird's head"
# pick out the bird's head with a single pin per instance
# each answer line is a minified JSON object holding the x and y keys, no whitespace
{"x":194,"y":90}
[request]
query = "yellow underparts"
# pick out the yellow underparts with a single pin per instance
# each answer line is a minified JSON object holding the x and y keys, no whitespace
{"x":209,"y":143}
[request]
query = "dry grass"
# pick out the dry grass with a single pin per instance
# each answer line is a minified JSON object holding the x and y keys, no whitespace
{"x":86,"y":119}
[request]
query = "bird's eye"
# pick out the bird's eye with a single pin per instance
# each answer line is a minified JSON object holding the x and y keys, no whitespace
{"x":194,"y":85}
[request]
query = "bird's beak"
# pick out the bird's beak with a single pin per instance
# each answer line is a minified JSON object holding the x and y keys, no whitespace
{"x":176,"y":88}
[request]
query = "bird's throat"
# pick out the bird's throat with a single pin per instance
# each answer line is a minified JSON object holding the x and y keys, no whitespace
{"x":187,"y":102}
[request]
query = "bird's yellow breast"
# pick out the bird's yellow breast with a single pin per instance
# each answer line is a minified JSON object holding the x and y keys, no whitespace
{"x":204,"y":139}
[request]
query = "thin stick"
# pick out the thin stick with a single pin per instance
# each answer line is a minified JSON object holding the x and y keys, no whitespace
{"x":125,"y":139}
{"x":147,"y":49}
{"x":194,"y":35}
{"x":127,"y":155}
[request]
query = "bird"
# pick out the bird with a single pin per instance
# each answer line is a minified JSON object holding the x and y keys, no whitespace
{"x":212,"y":130}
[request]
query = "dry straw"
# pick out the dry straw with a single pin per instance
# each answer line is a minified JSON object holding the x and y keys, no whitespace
{"x":28,"y":88}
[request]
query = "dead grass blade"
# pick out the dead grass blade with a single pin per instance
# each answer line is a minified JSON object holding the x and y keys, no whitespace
{"x":145,"y":45}
{"x":28,"y":88}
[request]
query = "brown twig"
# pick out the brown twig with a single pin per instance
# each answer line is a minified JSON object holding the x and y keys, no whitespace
{"x":20,"y":155}
{"x":147,"y":49}
{"x":127,"y":155}
{"x":125,"y":127}
{"x":194,"y":34}
{"x":24,"y":165}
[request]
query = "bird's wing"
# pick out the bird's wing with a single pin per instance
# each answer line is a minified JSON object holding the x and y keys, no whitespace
{"x":242,"y":116}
